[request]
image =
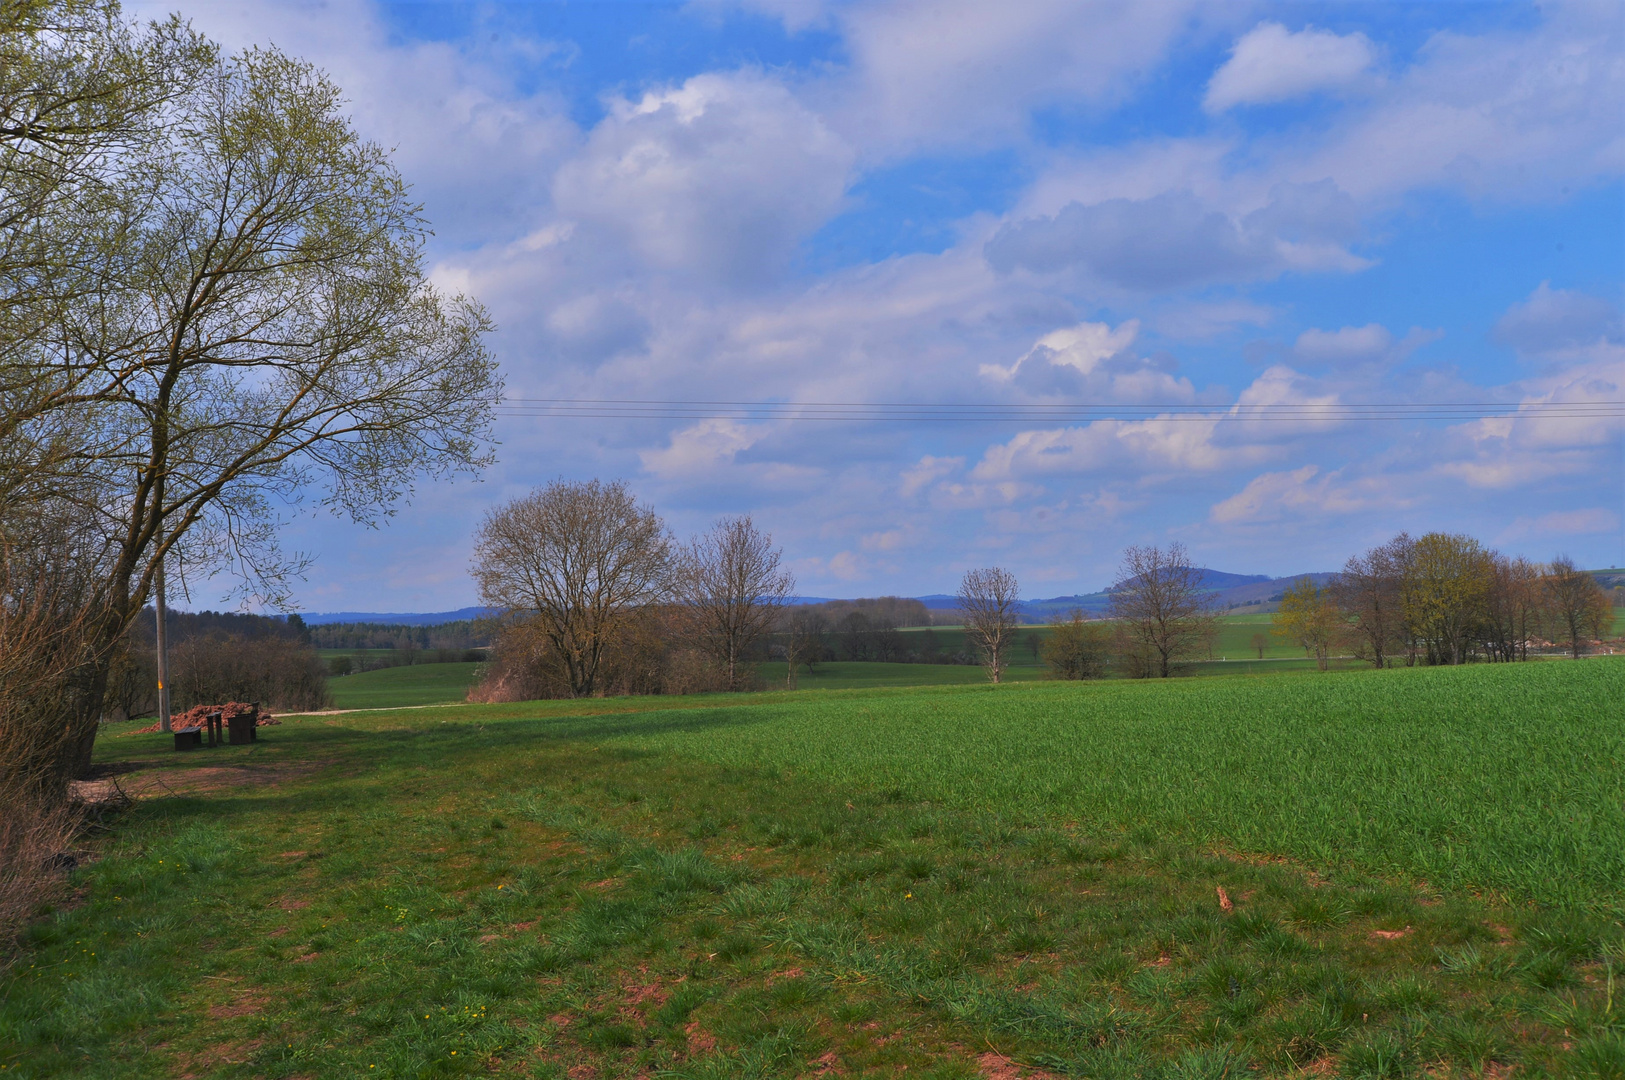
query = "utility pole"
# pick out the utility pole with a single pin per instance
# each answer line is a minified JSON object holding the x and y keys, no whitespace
{"x":163,"y":651}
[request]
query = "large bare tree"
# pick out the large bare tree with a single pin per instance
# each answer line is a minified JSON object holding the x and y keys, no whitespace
{"x":578,"y":559}
{"x":1367,"y":592}
{"x":1160,"y":600}
{"x":989,"y":602}
{"x":1514,"y":607}
{"x":1576,"y":604}
{"x":262,"y":324}
{"x":729,"y":587}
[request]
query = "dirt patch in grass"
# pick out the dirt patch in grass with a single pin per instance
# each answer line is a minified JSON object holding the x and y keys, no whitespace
{"x":245,"y":1004}
{"x":700,"y":1041}
{"x":206,"y":779}
{"x":197,"y":1064}
{"x":637,"y":995}
{"x":995,"y":1066}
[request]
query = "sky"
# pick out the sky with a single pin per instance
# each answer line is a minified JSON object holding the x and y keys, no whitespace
{"x":1132,"y":206}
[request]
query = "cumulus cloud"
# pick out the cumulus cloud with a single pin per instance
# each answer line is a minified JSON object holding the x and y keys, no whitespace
{"x":697,"y":451}
{"x":1505,"y":115}
{"x":1081,"y":347}
{"x":928,"y":471}
{"x":928,"y":73}
{"x":721,"y":176}
{"x":1303,"y":492}
{"x":1093,"y":361}
{"x":1555,"y":527}
{"x":1271,"y":63}
{"x":1174,"y":240}
{"x":1557,"y":319}
{"x":1140,"y":446}
{"x":1207,"y":319}
{"x":1349,"y":345}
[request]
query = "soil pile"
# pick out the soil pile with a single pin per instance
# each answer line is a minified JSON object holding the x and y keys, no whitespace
{"x":198,"y":715}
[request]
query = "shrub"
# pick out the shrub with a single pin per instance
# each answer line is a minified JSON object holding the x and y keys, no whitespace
{"x":32,"y":833}
{"x":280,"y":672}
{"x":1076,"y":648}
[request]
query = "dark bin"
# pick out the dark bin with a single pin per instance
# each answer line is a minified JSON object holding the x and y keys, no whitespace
{"x":244,"y":729}
{"x":190,"y":739}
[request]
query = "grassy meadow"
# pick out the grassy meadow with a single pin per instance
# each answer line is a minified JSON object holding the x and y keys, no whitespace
{"x":395,"y":687}
{"x":1362,"y":874}
{"x":441,"y":683}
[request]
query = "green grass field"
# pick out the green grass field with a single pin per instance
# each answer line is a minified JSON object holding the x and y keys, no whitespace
{"x":1234,"y":652}
{"x":392,"y":688}
{"x":1367,"y":874}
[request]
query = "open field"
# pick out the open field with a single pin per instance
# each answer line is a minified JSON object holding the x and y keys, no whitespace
{"x":415,"y":684}
{"x":1420,"y":869}
{"x":437,"y":683}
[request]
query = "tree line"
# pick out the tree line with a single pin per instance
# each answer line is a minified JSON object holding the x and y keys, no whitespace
{"x":1440,"y":598}
{"x":1445,"y":598}
{"x":865,"y":629}
{"x":458,"y":636}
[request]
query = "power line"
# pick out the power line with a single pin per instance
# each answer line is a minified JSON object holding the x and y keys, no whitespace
{"x":947,"y":412}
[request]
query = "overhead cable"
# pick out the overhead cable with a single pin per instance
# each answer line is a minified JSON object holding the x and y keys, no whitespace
{"x":1052,"y":412}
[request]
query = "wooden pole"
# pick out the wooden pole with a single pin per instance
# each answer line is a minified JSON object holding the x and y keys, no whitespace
{"x":163,"y":650}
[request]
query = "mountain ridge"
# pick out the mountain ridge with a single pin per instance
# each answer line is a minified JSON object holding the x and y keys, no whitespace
{"x":1226,"y":590}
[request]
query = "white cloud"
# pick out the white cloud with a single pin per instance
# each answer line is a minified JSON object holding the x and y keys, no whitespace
{"x":1081,"y":347}
{"x":1349,"y":345}
{"x":927,"y":472}
{"x":1554,"y":320}
{"x":1271,"y":63}
{"x":721,"y":176}
{"x":1556,"y":527}
{"x":1202,"y":320}
{"x":697,"y":451}
{"x":1300,"y":493}
{"x":1518,"y":114}
{"x":1174,"y":240}
{"x":936,"y":73}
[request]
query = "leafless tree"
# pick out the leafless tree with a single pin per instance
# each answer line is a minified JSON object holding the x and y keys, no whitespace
{"x":577,"y":558}
{"x":989,"y":602}
{"x":1578,"y":607}
{"x":729,"y":588}
{"x":1159,"y":598}
{"x":1076,"y":648}
{"x":1514,"y":608}
{"x":1367,"y":592}
{"x":802,"y":630}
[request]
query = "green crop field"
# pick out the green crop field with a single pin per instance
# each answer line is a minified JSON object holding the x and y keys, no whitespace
{"x":1405,"y":873}
{"x":393,"y":687}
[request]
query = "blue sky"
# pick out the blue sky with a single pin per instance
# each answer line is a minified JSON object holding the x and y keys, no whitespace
{"x":1132,"y":204}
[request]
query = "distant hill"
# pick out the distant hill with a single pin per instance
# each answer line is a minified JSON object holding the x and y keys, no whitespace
{"x":397,"y":618}
{"x":1253,"y":592}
